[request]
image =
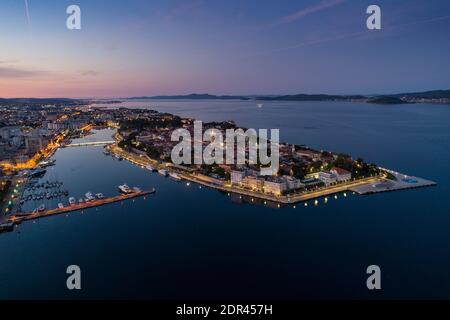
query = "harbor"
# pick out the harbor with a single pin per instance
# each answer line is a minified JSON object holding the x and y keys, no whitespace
{"x":18,"y":218}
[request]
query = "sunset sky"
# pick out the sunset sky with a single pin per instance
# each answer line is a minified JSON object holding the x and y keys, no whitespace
{"x":142,"y":47}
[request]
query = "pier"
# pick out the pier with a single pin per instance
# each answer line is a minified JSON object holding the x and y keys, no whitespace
{"x":22,"y":217}
{"x":401,"y":182}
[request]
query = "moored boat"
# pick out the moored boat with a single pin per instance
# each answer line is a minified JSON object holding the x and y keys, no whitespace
{"x":7,"y":226}
{"x":89,"y":197}
{"x":125,"y":189}
{"x":163,"y":172}
{"x":174,"y":176}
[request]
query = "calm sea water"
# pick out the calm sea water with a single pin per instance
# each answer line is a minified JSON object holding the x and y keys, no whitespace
{"x":186,"y":242}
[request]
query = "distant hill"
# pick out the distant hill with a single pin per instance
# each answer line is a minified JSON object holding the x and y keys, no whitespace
{"x":40,"y":101}
{"x":387,"y":100}
{"x":436,"y":94}
{"x":313,"y":97}
{"x":193,"y":96}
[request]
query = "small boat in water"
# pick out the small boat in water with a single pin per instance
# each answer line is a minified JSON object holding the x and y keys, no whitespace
{"x":150,"y":168}
{"x":60,"y":206}
{"x":125,"y":189}
{"x":7,"y":226}
{"x":163,"y":172}
{"x":99,"y":196}
{"x":72,"y":201}
{"x":89,"y":197}
{"x":80,"y":200}
{"x":41,"y":208}
{"x":48,"y":163}
{"x":174,"y":176}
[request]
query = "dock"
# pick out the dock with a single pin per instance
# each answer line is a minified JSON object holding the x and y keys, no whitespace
{"x":22,"y":217}
{"x":401,"y":182}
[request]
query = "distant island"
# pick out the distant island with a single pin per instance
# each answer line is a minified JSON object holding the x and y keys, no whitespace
{"x":314,"y":97}
{"x":194,"y":96}
{"x":436,"y":96}
{"x":387,"y":100}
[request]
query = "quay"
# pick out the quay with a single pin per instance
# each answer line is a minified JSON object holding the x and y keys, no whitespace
{"x":286,"y":199}
{"x":22,"y":217}
{"x":362,"y":186}
{"x":210,"y":183}
{"x":401,"y":182}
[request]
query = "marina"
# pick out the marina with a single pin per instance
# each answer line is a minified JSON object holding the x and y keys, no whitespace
{"x":41,"y":212}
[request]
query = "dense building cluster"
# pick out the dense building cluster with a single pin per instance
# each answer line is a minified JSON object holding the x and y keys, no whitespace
{"x":26,"y":132}
{"x":301,"y":168}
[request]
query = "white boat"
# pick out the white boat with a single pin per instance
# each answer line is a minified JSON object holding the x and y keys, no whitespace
{"x":163,"y":172}
{"x":60,"y":205}
{"x":137,"y":190}
{"x":175,"y":176}
{"x":45,"y":164}
{"x":99,"y":196}
{"x":72,"y":201}
{"x":150,"y":168}
{"x":7,"y":226}
{"x":41,"y":208}
{"x":89,"y":197}
{"x":80,"y":200}
{"x":125,"y":189}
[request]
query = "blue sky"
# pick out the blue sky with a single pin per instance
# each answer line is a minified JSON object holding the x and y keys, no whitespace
{"x":141,"y":47}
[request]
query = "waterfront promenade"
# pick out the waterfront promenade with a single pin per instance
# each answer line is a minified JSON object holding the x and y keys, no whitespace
{"x":212,"y":183}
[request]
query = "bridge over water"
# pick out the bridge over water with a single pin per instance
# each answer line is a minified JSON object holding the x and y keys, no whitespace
{"x":90,"y":144}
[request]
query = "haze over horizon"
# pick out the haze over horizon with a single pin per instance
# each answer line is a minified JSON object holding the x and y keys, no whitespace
{"x":142,"y":48}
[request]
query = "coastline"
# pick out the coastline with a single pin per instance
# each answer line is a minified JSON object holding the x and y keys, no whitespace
{"x":363,"y":186}
{"x":210,"y":182}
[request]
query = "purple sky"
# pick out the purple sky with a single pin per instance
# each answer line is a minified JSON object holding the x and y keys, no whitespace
{"x":141,"y":47}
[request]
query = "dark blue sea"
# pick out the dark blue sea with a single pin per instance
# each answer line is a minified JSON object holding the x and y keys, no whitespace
{"x":187,"y":242}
